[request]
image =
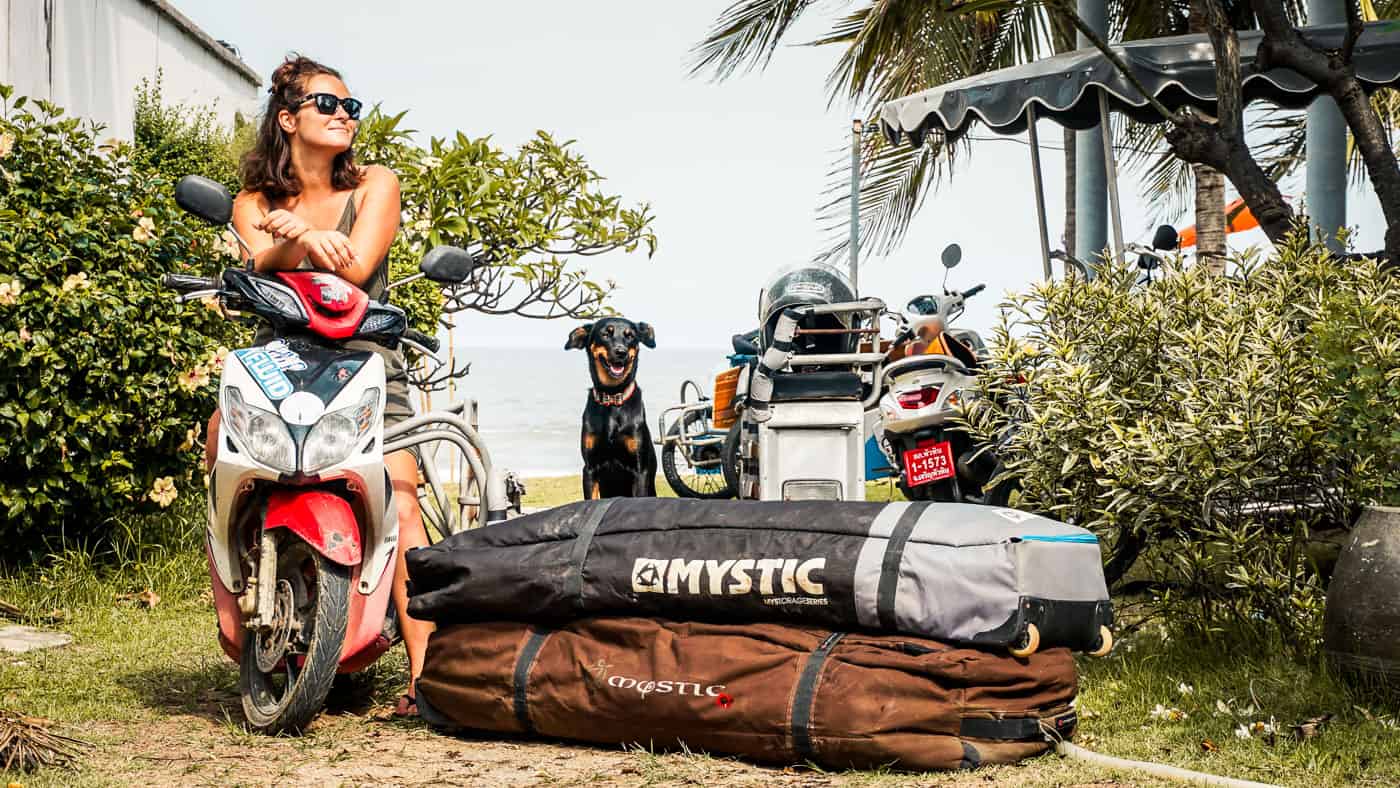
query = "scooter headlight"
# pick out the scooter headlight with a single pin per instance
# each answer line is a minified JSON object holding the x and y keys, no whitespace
{"x":337,"y":433}
{"x":262,"y":432}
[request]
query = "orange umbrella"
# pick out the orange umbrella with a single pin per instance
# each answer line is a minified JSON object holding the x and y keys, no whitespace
{"x":1238,"y":218}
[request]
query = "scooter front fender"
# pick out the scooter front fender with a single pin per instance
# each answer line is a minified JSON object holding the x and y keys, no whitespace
{"x":322,"y":519}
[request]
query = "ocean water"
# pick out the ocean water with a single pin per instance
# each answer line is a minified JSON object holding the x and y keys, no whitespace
{"x":531,"y":400}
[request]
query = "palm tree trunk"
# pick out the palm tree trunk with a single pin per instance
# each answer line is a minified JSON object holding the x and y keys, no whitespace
{"x":1210,"y":193}
{"x":1210,"y":218}
{"x":1068,"y":239}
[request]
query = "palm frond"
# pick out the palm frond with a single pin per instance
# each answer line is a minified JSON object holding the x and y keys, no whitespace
{"x":745,"y":36}
{"x":895,"y":179}
{"x":1131,"y":20}
{"x":895,"y":48}
{"x":1167,"y":183}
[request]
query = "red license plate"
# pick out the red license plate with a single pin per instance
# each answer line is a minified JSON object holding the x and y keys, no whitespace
{"x":929,"y":463}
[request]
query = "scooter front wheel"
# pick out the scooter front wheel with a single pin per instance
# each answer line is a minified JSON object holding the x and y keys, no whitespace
{"x":287,"y":669}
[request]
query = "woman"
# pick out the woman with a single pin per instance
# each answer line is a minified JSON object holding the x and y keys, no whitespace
{"x":306,"y":204}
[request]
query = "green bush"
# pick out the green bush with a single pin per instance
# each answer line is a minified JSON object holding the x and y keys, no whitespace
{"x":178,"y":140}
{"x":1211,"y":425}
{"x":108,"y":380}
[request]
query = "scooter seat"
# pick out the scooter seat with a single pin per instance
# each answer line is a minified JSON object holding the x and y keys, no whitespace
{"x":807,"y":386}
{"x":923,"y":363}
{"x":746,"y":344}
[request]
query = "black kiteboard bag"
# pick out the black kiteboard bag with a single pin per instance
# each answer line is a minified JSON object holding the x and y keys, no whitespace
{"x":959,"y":572}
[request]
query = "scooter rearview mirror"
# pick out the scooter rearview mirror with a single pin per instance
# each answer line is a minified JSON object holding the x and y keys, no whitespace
{"x":1165,"y":238}
{"x":204,"y":198}
{"x":448,"y":265}
{"x":952,"y":255}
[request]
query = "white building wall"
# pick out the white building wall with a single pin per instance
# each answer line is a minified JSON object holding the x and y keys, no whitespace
{"x":88,"y":56}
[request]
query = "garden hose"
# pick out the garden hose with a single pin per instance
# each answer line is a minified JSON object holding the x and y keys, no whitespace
{"x":1065,"y":749}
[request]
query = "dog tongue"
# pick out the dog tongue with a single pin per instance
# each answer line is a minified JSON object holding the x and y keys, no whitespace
{"x":616,"y":370}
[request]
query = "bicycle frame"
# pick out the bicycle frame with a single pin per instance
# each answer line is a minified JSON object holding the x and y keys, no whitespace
{"x":450,"y":426}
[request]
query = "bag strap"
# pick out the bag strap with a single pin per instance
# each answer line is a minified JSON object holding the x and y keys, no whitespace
{"x":521,"y":676}
{"x":1008,"y":729}
{"x":889,"y":566}
{"x":573,"y":583}
{"x":806,"y":693}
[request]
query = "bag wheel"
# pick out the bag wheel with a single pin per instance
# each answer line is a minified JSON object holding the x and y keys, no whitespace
{"x":1105,"y":643}
{"x":1029,"y":645}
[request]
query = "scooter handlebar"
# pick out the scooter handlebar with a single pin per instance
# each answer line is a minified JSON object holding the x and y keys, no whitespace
{"x":188,"y":284}
{"x":974,"y":291}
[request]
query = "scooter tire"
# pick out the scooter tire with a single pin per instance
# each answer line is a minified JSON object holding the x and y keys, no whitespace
{"x":731,"y":457}
{"x":307,"y":686}
{"x":933,"y":491}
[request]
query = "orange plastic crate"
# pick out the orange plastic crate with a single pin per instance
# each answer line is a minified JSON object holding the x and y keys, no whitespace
{"x":726,"y":386}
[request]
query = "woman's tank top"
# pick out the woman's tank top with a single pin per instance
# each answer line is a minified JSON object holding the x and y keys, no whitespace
{"x":377,"y":288}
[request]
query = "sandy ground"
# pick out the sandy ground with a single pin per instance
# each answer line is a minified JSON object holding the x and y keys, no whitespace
{"x":349,"y":749}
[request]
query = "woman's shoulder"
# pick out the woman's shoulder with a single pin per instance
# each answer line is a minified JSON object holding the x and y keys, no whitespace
{"x":377,"y":175}
{"x":247,"y":199}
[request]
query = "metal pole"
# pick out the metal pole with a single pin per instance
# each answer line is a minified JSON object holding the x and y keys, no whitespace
{"x":857,"y":127}
{"x":1326,"y":148}
{"x":1111,"y":171}
{"x":1090,"y":179}
{"x":1039,"y":190}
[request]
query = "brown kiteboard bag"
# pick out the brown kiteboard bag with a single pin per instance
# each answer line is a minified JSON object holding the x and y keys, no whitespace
{"x":770,"y":692}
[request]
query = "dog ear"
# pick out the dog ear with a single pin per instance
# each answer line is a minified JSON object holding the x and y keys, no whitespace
{"x":578,"y":338}
{"x":647,"y":334}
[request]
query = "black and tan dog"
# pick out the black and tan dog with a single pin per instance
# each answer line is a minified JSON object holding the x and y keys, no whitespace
{"x":618,"y":458}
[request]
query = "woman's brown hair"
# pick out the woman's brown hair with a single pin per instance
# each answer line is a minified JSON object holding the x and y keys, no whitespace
{"x":267,"y":168}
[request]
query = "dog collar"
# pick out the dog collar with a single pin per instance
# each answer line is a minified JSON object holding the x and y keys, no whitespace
{"x":613,"y":400}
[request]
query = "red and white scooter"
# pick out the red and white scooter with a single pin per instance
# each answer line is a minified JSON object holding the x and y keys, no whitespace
{"x":932,"y":369}
{"x":303,"y":525}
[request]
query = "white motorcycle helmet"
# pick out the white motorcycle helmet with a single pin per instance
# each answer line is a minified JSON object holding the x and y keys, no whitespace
{"x":808,"y":284}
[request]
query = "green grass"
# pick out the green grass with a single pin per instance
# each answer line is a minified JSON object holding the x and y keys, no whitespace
{"x":134,"y":670}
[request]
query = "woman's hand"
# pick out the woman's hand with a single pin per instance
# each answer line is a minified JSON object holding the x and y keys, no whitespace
{"x":283,"y":224}
{"x":329,"y":250}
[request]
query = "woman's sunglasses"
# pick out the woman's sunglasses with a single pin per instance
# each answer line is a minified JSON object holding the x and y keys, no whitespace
{"x":327,"y":102}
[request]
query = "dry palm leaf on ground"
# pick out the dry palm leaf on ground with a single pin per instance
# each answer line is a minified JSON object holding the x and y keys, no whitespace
{"x":26,"y":743}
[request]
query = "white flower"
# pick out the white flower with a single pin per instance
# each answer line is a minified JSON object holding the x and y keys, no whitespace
{"x":190,"y":436}
{"x":145,"y":229}
{"x":215,"y":363}
{"x":1169,"y":715}
{"x":1185,"y":689}
{"x":163,"y":491}
{"x":9,"y":292}
{"x":193,"y":379}
{"x":7,"y":144}
{"x":228,"y":243}
{"x":422,"y":226}
{"x":24,"y":335}
{"x":78,"y":281}
{"x":1221,"y":707}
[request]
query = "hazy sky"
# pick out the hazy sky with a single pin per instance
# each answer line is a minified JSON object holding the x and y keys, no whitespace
{"x":733,"y":171}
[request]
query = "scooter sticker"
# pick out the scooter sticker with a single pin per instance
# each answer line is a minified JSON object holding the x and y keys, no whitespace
{"x":334,"y":292}
{"x":284,"y":357}
{"x":264,"y":369}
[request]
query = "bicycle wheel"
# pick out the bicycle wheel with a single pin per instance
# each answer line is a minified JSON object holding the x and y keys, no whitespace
{"x":702,"y":475}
